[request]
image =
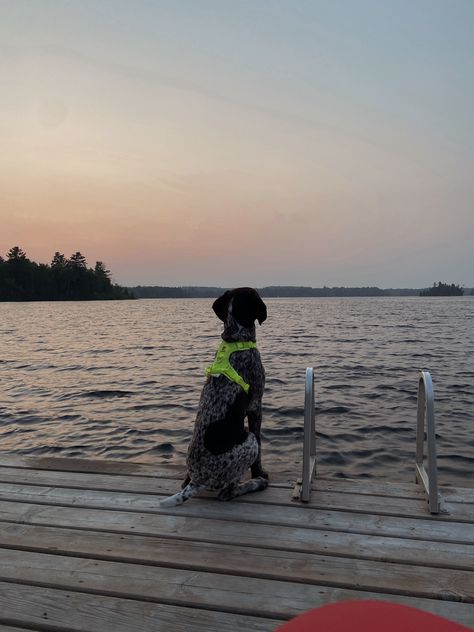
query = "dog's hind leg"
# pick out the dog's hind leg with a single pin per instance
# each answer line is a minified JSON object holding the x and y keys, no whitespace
{"x":239,"y":489}
{"x":178,"y":499}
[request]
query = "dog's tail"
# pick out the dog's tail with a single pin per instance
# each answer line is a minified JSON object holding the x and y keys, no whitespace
{"x":178,"y":499}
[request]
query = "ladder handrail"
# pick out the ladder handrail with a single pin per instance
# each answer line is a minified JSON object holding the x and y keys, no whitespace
{"x":309,"y":441}
{"x":425,"y":412}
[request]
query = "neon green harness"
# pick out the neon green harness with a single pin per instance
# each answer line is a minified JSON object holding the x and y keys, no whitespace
{"x":222,"y":366}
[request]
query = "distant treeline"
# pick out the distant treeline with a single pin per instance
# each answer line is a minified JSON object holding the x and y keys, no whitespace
{"x":71,"y":280}
{"x":157,"y":291}
{"x":268,"y":292}
{"x":443,"y":289}
{"x":63,"y":280}
{"x":273,"y":291}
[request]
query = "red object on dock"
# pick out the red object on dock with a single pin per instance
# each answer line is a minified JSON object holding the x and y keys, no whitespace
{"x":369,"y":616}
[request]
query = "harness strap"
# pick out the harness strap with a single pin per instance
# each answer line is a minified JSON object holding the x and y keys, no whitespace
{"x":222,"y":366}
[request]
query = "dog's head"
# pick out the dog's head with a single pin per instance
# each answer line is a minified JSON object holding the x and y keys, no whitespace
{"x":245,"y":304}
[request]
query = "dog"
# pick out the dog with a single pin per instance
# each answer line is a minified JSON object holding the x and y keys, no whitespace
{"x":222,"y":449}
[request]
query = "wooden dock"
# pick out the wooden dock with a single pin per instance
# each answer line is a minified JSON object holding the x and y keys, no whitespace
{"x":84,"y":546}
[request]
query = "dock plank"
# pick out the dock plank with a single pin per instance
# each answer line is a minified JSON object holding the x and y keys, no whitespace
{"x":8,"y":628}
{"x":392,"y":506}
{"x":257,"y":565}
{"x":131,"y":471}
{"x":235,"y":536}
{"x":119,"y":515}
{"x":50,"y":608}
{"x":234,"y":594}
{"x":94,"y":466}
{"x":330,"y":497}
{"x":141,"y":483}
{"x":149,"y":502}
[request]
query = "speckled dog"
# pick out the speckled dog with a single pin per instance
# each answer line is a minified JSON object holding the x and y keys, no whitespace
{"x":221,"y":449}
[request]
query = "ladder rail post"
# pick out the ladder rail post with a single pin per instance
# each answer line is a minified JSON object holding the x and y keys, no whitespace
{"x":420,"y":421}
{"x":309,"y":439}
{"x":425,"y":417}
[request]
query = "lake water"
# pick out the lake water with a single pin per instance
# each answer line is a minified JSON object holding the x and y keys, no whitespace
{"x":121,"y":380}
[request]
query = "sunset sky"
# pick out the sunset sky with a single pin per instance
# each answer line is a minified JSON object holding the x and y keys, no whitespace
{"x":224,"y":142}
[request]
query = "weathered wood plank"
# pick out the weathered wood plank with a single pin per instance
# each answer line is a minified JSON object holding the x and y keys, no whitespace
{"x":213,"y":512}
{"x":97,"y":466}
{"x":345,"y":500}
{"x":291,"y":589}
{"x":110,"y":467}
{"x":235,"y":537}
{"x":147,"y":502}
{"x":329,"y":519}
{"x":8,"y":628}
{"x":137,"y":482}
{"x":132,"y":469}
{"x":387,"y":490}
{"x":81,"y":612}
{"x":279,"y":565}
{"x":363,"y":486}
{"x":154,"y":485}
{"x":463,"y":495}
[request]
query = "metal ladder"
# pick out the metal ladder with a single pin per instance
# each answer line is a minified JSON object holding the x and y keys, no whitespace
{"x":425,"y":413}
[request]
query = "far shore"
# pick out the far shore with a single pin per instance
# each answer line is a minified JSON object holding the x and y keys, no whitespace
{"x":155,"y":291}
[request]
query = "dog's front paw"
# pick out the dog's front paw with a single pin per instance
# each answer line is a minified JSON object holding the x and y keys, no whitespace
{"x":260,"y":483}
{"x":227,"y":493}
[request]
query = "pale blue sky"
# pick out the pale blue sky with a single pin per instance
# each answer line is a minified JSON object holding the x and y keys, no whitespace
{"x":228,"y":143}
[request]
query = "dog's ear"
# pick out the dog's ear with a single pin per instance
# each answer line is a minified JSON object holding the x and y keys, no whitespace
{"x":260,"y":310}
{"x":247,"y":307}
{"x":221,"y":305}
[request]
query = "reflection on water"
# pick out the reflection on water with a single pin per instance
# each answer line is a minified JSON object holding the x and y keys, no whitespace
{"x":122,"y":380}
